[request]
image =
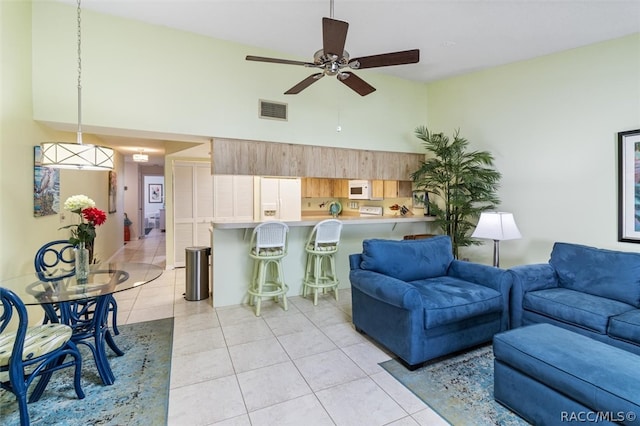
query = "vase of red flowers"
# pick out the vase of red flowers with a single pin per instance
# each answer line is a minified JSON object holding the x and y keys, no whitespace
{"x":83,"y":234}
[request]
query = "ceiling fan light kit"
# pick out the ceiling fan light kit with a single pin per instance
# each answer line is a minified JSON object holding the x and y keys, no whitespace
{"x":332,"y":59}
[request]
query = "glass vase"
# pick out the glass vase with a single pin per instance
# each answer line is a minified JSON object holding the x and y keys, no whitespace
{"x":82,"y":264}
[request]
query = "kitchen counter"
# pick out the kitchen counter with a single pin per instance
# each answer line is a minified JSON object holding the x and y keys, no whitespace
{"x":232,"y":266}
{"x":313,"y":219}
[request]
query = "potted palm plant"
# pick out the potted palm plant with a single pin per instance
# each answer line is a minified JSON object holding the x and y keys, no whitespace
{"x":460,"y":183}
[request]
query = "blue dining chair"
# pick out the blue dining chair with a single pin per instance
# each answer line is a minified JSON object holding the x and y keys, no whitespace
{"x":56,"y":260}
{"x":87,"y":318}
{"x":30,"y":352}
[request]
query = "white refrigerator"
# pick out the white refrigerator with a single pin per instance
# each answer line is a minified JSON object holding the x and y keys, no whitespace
{"x":278,"y":199}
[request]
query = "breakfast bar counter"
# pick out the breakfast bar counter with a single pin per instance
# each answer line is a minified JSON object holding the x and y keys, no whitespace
{"x":232,"y":266}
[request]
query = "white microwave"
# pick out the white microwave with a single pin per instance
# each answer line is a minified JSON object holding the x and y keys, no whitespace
{"x":359,"y":190}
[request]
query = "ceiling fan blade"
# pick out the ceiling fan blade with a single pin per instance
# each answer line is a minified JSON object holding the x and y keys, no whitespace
{"x":356,"y":83}
{"x":278,"y":61}
{"x":304,"y":84}
{"x":334,"y":36}
{"x":386,"y":59}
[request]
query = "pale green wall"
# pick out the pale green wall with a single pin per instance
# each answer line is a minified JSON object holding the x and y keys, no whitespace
{"x":20,"y":232}
{"x":144,"y":77}
{"x":552,"y":125}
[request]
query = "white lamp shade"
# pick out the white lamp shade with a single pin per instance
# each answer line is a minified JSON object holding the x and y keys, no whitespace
{"x":63,"y":155}
{"x":496,"y":226}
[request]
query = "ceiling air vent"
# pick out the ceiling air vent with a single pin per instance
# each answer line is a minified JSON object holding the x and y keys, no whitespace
{"x":273,"y":110}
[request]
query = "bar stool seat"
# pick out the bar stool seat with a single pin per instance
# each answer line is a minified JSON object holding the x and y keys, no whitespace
{"x":320,"y":269}
{"x":268,"y":247}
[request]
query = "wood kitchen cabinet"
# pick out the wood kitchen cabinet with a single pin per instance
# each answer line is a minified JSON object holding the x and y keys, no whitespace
{"x":317,"y":188}
{"x":397,"y":189}
{"x":377,"y":189}
{"x":340,"y":188}
{"x":260,"y":158}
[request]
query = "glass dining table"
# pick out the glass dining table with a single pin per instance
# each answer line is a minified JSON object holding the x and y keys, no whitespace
{"x":85,"y":306}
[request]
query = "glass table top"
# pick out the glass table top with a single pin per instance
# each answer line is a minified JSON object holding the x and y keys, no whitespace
{"x":104,"y":278}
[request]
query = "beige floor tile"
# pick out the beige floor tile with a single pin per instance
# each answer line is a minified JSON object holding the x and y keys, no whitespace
{"x":343,"y":334}
{"x":428,"y":417}
{"x":149,"y":314}
{"x":360,"y":402}
{"x":206,"y":402}
{"x":271,"y":385}
{"x":305,"y":410}
{"x":288,"y":324}
{"x":306,"y":343}
{"x":328,"y":369}
{"x":403,"y":396}
{"x":248,"y":331}
{"x":194,"y":341}
{"x":367,"y":356}
{"x":188,"y":369}
{"x":258,"y":354}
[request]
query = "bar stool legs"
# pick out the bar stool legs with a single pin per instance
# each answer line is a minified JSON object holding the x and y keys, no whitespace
{"x":320,"y":274}
{"x":268,"y":247}
{"x":267,"y":281}
{"x":320,"y":269}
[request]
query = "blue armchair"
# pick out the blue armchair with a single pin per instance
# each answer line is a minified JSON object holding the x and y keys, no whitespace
{"x":419,"y":302}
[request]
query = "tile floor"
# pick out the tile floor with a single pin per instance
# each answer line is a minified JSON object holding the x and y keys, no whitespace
{"x":304,"y":366}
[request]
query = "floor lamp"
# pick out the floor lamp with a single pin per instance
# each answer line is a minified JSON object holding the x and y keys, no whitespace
{"x":496,"y":226}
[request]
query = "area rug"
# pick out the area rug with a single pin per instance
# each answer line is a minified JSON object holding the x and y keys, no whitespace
{"x":459,"y":388}
{"x":139,"y":396}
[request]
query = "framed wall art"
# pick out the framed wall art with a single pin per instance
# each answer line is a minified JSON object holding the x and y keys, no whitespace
{"x":113,"y":191}
{"x":46,"y":187}
{"x":629,"y":186}
{"x":155,"y":192}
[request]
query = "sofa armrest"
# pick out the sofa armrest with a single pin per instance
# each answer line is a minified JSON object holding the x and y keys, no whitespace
{"x":488,"y":276}
{"x":529,"y":278}
{"x":498,"y":279}
{"x":386,"y":289}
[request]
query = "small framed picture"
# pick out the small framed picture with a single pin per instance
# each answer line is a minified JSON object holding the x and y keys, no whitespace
{"x":418,"y":199}
{"x":629,"y":186}
{"x":155,"y":192}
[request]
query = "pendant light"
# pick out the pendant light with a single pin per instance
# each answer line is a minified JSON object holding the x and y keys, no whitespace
{"x":66,"y":155}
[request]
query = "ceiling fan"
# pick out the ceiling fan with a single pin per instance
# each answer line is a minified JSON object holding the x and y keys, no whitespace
{"x":332,"y":59}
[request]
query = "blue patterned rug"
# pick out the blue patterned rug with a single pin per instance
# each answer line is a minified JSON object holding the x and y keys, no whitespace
{"x":140,"y":395}
{"x":459,"y":388}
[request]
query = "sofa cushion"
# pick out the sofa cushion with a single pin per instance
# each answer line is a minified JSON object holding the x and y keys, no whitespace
{"x":595,"y":374}
{"x":408,"y":260}
{"x":447,"y":300}
{"x":576,"y":308}
{"x":606,"y":273}
{"x":626,"y":326}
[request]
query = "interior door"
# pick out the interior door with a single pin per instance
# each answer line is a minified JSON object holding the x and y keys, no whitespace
{"x":193,"y":206}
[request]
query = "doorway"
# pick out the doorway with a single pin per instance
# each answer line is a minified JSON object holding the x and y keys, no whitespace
{"x":151,"y":217}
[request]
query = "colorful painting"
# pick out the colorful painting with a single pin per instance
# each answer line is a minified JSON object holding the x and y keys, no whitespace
{"x":113,"y":192}
{"x":46,"y":187}
{"x":629,"y":186}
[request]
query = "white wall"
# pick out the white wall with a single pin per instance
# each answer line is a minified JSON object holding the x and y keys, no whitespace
{"x":552,"y":125}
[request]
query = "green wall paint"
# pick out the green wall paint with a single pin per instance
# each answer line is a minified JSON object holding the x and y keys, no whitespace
{"x":552,"y":125}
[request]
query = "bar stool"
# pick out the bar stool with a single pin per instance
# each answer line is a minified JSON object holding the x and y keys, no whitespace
{"x":268,"y":247}
{"x":321,"y":247}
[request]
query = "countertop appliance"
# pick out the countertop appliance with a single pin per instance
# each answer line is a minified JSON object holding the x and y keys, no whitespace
{"x":370,"y":211}
{"x":359,"y":190}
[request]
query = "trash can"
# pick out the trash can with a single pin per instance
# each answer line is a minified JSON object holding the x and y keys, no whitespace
{"x":197,"y":270}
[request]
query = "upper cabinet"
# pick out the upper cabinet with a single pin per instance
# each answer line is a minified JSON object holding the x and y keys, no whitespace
{"x":242,"y":157}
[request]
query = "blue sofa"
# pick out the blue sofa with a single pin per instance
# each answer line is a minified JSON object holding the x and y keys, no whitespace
{"x":587,"y":290}
{"x":416,"y":300}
